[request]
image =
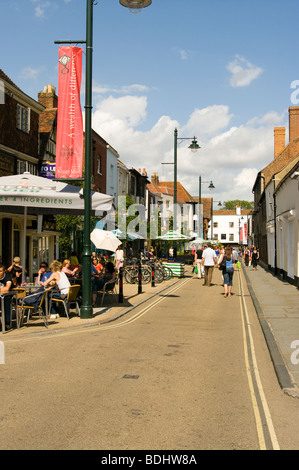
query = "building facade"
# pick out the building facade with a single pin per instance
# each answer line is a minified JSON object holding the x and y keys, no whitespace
{"x":275,"y":216}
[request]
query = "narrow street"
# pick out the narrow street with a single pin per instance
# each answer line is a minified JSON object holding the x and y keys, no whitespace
{"x":188,"y":370}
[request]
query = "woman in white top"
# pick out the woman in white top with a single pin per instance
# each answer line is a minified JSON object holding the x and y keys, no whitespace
{"x":119,"y":258}
{"x":60,"y":279}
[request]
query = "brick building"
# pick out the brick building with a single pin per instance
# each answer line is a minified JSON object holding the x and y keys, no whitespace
{"x":283,"y":155}
{"x":19,"y":126}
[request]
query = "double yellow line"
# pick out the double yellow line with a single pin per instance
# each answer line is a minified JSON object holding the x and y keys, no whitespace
{"x":265,"y":429}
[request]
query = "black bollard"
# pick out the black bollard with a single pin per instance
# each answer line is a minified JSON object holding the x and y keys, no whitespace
{"x":153,"y":274}
{"x":120,"y":282}
{"x":139,"y":278}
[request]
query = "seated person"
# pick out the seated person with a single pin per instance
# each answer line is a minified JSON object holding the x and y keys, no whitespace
{"x":107,"y":275}
{"x":74,"y":261}
{"x":97,"y":265}
{"x":151,"y":254}
{"x":43,"y":273}
{"x":5,"y":286}
{"x":59,"y":279}
{"x":16,"y":271}
{"x":66,"y":268}
{"x":16,"y":276}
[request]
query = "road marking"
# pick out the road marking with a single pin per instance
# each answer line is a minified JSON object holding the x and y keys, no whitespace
{"x":265,"y":429}
{"x":146,"y":309}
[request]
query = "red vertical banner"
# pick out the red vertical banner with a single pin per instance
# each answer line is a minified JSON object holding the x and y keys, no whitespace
{"x":69,"y":142}
{"x":245,"y":232}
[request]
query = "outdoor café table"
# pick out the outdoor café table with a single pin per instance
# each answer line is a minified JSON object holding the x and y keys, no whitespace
{"x":2,"y":297}
{"x":30,"y":288}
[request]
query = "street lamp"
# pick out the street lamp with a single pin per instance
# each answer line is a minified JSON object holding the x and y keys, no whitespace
{"x":211,"y":187}
{"x":193,"y":147}
{"x":133,"y":5}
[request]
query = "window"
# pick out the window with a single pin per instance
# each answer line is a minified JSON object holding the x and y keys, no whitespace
{"x":167,"y":205}
{"x":215,"y":224}
{"x":99,"y":165}
{"x":223,"y":236}
{"x":23,"y":118}
{"x":24,"y":165}
{"x":215,"y":236}
{"x":231,"y":237}
{"x":231,"y":224}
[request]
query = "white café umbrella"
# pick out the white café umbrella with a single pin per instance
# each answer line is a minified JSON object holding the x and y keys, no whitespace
{"x":104,"y":239}
{"x":198,"y":241}
{"x":30,"y":194}
{"x":42,"y":194}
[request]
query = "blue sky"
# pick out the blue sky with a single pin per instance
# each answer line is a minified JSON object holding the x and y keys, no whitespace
{"x":217,"y":69}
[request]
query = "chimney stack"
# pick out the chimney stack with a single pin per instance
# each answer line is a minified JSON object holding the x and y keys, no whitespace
{"x":279,"y":140}
{"x":294,"y":122}
{"x":48,"y":97}
{"x":155,"y":178}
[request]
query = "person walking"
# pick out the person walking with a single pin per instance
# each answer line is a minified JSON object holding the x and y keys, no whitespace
{"x":198,"y":258}
{"x":229,"y":270}
{"x":255,"y":257}
{"x":246,"y":257}
{"x":209,"y":259}
{"x":119,"y":258}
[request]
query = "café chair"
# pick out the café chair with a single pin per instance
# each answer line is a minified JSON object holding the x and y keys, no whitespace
{"x":108,"y":288}
{"x":41,"y":309}
{"x":17,"y":305}
{"x":72,"y":298}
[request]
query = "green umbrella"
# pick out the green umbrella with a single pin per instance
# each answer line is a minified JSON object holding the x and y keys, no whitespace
{"x":172,"y":235}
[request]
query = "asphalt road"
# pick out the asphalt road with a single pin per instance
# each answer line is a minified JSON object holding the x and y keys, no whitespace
{"x":186,"y":371}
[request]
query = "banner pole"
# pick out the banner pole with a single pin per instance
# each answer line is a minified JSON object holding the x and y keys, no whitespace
{"x":86,"y":308}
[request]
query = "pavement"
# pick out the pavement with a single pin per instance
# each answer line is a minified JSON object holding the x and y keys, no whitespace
{"x":277,"y":306}
{"x":276,"y":303}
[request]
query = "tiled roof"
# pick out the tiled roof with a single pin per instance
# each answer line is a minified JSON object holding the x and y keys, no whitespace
{"x":207,"y":204}
{"x":46,"y":120}
{"x":4,"y":77}
{"x":231,"y":212}
{"x":167,"y":187}
{"x":288,"y":154}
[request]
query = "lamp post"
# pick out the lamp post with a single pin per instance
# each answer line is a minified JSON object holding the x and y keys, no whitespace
{"x":211,"y":187}
{"x":133,"y":5}
{"x":194,"y":147}
{"x":212,"y":215}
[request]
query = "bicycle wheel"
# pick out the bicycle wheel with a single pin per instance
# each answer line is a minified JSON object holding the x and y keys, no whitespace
{"x":159,"y":276}
{"x":130,"y":275}
{"x":146,"y":274}
{"x":168,"y":274}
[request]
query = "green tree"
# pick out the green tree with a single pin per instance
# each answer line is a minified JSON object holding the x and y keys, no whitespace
{"x":231,"y":205}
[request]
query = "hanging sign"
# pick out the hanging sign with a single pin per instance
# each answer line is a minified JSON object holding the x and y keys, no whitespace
{"x":69,"y":144}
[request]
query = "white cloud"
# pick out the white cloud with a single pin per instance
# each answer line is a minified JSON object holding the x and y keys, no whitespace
{"x":125,"y":89}
{"x":229,"y":155}
{"x":243,"y":72}
{"x":30,"y":73}
{"x":40,"y":7}
{"x":208,"y":121}
{"x":129,"y":109}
